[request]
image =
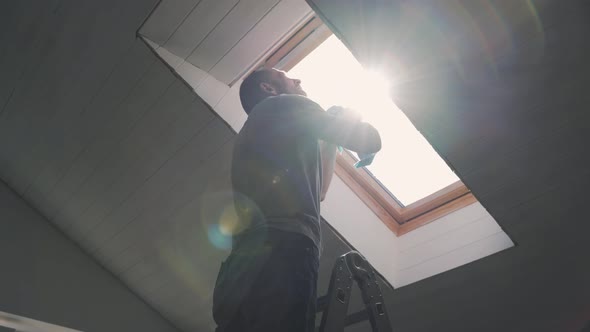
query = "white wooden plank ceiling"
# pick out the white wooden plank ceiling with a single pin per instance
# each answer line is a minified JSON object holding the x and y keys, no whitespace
{"x":102,"y":139}
{"x":224,"y":37}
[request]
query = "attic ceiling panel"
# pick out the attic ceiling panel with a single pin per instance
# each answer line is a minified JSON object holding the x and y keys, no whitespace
{"x":22,"y":76}
{"x":128,"y":150}
{"x":169,"y":14}
{"x":78,"y":57}
{"x":268,"y":32}
{"x":125,"y":117}
{"x":188,"y":254}
{"x":205,"y":140}
{"x":171,"y":253}
{"x":22,"y":23}
{"x":66,"y":136}
{"x":197,"y":26}
{"x":133,"y":161}
{"x":7,"y":17}
{"x":243,"y":17}
{"x":538,"y":124}
{"x":227,"y":37}
{"x":562,"y":204}
{"x":152,"y":223}
{"x":11,"y":20}
{"x":569,"y":161}
{"x":114,"y":149}
{"x":175,"y":148}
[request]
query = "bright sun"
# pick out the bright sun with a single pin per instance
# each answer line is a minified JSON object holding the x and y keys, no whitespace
{"x":407,"y":165}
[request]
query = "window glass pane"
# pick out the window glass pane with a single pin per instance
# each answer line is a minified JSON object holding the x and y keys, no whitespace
{"x":407,"y":165}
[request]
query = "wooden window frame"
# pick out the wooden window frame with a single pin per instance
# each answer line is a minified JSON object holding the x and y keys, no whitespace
{"x":398,"y":218}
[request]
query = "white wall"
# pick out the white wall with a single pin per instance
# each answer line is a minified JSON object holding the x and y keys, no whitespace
{"x":223,"y":99}
{"x":449,"y":242}
{"x":362,"y":228}
{"x":454,"y":240}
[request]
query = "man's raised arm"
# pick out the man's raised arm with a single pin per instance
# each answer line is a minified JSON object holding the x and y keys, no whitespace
{"x":340,"y":129}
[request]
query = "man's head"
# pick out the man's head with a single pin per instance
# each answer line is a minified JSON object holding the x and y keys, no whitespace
{"x":265,"y":83}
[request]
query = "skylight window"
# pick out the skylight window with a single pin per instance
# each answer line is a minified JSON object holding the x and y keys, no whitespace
{"x":407,"y":166}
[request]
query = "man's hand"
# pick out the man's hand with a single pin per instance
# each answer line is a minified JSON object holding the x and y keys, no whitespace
{"x":347,"y":113}
{"x":367,"y":139}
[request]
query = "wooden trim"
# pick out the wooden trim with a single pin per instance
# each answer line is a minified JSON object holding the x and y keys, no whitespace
{"x":369,"y":200}
{"x":437,"y":213}
{"x":434,"y":200}
{"x":299,"y":36}
{"x":369,"y":185}
{"x":319,"y":38}
{"x":415,"y":215}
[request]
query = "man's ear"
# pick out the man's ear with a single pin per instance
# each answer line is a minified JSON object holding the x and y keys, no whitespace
{"x":268,"y":88}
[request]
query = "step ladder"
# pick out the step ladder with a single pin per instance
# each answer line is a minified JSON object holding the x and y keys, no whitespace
{"x":352,"y":267}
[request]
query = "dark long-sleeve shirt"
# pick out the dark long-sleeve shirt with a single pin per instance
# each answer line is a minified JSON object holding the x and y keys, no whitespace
{"x":276,"y":167}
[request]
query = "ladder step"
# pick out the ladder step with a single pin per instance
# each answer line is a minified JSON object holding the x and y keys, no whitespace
{"x":351,"y":319}
{"x":322,"y":303}
{"x":357,"y":317}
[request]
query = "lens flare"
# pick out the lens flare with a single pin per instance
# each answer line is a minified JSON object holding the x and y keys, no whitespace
{"x":217,"y":237}
{"x":228,"y":221}
{"x":225,"y":214}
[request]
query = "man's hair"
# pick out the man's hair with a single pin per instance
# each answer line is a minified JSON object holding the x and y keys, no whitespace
{"x":250,"y":91}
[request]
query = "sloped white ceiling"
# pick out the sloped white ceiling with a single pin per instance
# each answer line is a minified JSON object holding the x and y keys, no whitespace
{"x":224,"y":37}
{"x":103,"y":139}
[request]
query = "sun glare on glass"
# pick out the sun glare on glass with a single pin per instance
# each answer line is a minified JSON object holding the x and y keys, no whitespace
{"x":407,"y":165}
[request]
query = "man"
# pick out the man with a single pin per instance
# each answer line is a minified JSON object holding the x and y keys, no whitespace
{"x":282,"y":165}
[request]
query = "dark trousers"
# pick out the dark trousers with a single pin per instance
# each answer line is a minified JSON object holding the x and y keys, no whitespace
{"x":268,"y":283}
